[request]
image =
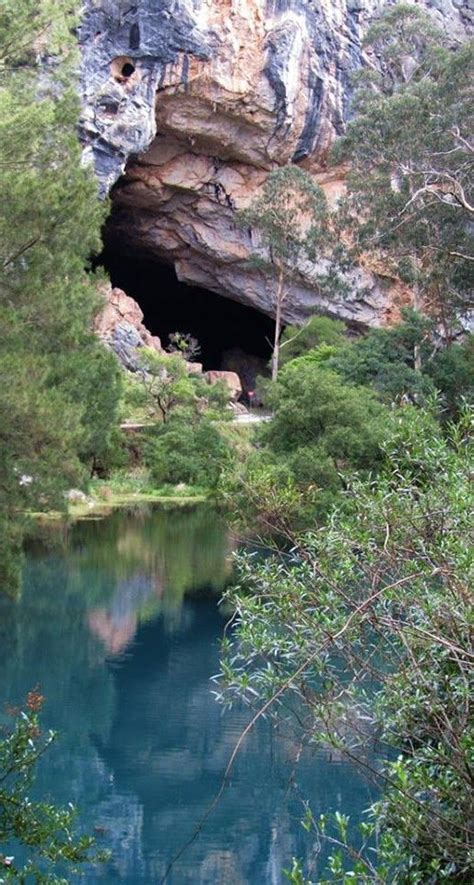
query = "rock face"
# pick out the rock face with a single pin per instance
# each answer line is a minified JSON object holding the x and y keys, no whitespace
{"x":120,"y":326}
{"x":188,"y":104}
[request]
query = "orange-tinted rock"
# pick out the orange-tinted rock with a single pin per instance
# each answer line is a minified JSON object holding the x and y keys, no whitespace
{"x":230,"y":378}
{"x":214,"y":94}
{"x":122,"y":311}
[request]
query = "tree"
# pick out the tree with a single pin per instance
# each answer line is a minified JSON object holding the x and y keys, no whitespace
{"x":364,"y":629}
{"x":314,"y":407}
{"x":167,"y":384}
{"x":49,"y":227}
{"x":385,"y":360}
{"x":322,"y":431}
{"x":452,"y":372}
{"x":184,"y":344}
{"x":316,"y":331}
{"x":188,"y":452}
{"x":291,"y":218}
{"x":410,"y":198}
{"x":44,"y":832}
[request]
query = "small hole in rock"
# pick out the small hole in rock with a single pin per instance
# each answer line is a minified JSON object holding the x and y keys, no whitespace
{"x":122,"y":68}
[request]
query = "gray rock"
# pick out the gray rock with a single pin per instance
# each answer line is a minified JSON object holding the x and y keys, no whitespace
{"x":141,"y":62}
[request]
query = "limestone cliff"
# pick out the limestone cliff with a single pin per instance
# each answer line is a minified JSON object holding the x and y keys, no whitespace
{"x":187,"y":104}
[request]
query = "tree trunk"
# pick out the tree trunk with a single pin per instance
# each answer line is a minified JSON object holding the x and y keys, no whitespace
{"x":276,"y":342}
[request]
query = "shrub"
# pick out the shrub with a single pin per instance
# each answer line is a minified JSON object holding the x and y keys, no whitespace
{"x":188,"y":452}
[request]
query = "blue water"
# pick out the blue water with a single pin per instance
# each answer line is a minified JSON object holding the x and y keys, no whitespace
{"x":119,"y":625}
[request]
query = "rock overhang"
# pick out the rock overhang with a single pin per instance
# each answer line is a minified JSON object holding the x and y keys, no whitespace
{"x":221,"y":92}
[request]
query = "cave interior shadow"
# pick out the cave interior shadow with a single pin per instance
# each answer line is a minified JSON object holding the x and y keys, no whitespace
{"x":230,"y":335}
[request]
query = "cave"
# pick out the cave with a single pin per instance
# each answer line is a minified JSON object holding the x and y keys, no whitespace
{"x":231,"y":336}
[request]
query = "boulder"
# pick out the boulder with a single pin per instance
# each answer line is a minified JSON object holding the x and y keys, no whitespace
{"x":231,"y":379}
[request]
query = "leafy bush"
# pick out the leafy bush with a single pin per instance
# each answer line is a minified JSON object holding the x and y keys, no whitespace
{"x":452,"y":373}
{"x":365,"y":630}
{"x":384,"y":359}
{"x":318,"y":330}
{"x":313,"y":406}
{"x":45,"y":833}
{"x":183,"y":451}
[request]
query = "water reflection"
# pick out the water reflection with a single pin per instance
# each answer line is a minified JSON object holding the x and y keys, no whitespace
{"x":120,"y":628}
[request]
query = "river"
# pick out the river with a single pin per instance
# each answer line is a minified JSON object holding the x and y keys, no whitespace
{"x":119,"y":626}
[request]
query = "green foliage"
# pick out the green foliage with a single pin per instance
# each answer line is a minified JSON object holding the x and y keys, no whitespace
{"x":384,"y":359}
{"x":365,"y":629}
{"x":58,"y":390}
{"x":184,"y":344}
{"x":183,"y":451}
{"x":93,"y":380}
{"x":49,"y":846}
{"x":322,"y":430}
{"x":168,"y":388}
{"x":291,"y":219}
{"x":317,"y":331}
{"x":410,"y":198}
{"x":452,"y":372}
{"x":167,"y":385}
{"x":406,"y":42}
{"x":262,"y":492}
{"x":290,"y":215}
{"x":186,"y":447}
{"x":314,"y":407}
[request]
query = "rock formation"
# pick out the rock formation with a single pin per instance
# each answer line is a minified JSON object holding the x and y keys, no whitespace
{"x":120,"y":326}
{"x":231,"y":379}
{"x":187,"y":105}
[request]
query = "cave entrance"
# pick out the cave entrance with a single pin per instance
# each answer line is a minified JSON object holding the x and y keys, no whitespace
{"x":231,"y":336}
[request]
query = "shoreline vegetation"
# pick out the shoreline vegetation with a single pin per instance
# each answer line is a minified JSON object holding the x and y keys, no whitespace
{"x":363,"y":473}
{"x":99,"y":509}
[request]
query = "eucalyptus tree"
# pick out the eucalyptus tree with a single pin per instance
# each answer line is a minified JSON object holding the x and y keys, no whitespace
{"x":290,"y":216}
{"x":410,"y":199}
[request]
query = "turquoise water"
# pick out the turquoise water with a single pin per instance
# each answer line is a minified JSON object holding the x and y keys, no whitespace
{"x":119,"y":626}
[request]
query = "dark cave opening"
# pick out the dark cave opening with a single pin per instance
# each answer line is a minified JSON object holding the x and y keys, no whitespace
{"x":231,"y":336}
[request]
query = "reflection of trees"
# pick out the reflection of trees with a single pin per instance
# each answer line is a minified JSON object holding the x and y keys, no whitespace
{"x":45,"y":640}
{"x":142,"y":742}
{"x":181,"y":548}
{"x":155,"y":558}
{"x":169,"y":745}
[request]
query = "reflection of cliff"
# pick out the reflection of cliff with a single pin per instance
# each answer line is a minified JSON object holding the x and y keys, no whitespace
{"x":154,"y":562}
{"x":45,"y":641}
{"x":168,"y":746}
{"x":142,"y":743}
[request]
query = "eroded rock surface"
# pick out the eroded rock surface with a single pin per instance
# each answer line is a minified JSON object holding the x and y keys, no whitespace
{"x":197,"y":100}
{"x":120,"y":326}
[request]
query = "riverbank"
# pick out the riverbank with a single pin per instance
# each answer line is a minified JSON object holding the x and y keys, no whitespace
{"x":104,"y":497}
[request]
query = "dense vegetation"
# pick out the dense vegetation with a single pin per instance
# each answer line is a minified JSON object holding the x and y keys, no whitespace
{"x":360,"y":621}
{"x":410,"y":189}
{"x":59,"y":388}
{"x":364,"y":631}
{"x":359,"y":627}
